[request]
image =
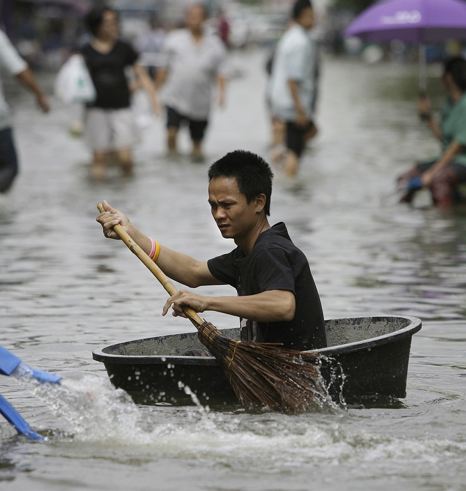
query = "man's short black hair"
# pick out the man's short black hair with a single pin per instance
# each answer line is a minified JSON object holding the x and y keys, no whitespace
{"x":456,"y":67}
{"x":252,"y":173}
{"x":94,"y":18}
{"x":298,"y":8}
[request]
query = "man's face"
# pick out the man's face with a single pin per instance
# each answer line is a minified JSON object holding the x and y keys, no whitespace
{"x":234,"y":216}
{"x":195,"y":17}
{"x":307,"y":18}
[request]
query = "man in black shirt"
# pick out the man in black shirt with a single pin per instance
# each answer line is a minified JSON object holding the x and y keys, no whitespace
{"x":277,"y":299}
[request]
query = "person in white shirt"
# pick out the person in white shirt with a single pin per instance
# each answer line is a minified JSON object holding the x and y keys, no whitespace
{"x":292,"y":84}
{"x":194,"y":60}
{"x":12,"y":63}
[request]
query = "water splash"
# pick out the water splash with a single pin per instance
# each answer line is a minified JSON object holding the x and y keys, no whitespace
{"x":90,"y":407}
{"x":90,"y":411}
{"x":187,"y":390}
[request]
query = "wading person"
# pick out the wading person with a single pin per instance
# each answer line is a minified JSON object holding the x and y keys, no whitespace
{"x":443,"y":174}
{"x":194,"y":60}
{"x":292,"y":83}
{"x":13,"y":64}
{"x":108,"y":121}
{"x":277,"y":298}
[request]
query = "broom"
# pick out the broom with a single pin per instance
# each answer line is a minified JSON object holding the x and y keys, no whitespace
{"x":262,"y":375}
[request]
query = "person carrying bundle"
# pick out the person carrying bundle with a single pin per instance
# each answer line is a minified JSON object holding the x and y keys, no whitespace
{"x":277,"y":300}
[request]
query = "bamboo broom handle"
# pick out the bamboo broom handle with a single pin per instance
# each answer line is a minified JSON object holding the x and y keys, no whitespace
{"x":154,"y":269}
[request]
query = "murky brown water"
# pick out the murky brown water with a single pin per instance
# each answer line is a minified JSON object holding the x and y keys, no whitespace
{"x":65,"y":291}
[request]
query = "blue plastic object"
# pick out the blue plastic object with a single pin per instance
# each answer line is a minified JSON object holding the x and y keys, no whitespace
{"x":16,"y":420}
{"x":10,"y":364}
{"x":24,"y":370}
{"x":414,"y":184}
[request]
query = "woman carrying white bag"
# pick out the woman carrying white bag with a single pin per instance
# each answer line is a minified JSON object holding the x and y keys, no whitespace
{"x":108,"y":122}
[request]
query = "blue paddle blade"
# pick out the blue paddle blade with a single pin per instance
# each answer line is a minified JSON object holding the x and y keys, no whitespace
{"x":17,"y":421}
{"x":45,"y":377}
{"x":10,"y":364}
{"x":24,"y":370}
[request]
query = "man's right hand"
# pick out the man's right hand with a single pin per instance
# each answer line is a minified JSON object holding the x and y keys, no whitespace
{"x":111,"y":217}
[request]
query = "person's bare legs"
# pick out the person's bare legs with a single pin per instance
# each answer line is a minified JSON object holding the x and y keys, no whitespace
{"x":278,"y":150}
{"x":98,"y":169}
{"x":125,"y":159}
{"x":278,"y":131}
{"x":291,"y":166}
{"x":197,"y":154}
{"x":172,"y":141}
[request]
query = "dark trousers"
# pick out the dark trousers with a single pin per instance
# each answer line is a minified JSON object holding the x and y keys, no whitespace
{"x":8,"y":160}
{"x":197,"y":127}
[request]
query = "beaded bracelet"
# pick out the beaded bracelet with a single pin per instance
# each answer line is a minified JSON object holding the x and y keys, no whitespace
{"x":152,"y":248}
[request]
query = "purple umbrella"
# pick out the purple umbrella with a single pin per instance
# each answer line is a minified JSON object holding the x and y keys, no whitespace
{"x":412,"y":21}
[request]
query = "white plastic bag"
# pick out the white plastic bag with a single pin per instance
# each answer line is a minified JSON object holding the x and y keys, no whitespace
{"x":73,"y":83}
{"x":143,"y":114}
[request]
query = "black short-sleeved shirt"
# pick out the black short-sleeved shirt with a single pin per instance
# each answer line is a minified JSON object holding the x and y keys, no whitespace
{"x":275,"y":263}
{"x":107,"y":71}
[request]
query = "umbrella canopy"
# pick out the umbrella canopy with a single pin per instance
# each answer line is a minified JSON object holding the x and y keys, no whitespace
{"x":411,"y":21}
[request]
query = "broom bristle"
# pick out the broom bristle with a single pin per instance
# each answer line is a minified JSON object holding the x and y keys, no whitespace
{"x":264,"y":376}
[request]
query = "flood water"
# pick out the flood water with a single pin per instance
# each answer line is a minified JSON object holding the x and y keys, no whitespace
{"x":65,"y":291}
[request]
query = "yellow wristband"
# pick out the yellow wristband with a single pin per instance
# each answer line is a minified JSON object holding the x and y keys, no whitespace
{"x":157,"y":251}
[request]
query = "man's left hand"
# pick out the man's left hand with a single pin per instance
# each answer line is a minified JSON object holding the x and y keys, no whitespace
{"x":182,"y":300}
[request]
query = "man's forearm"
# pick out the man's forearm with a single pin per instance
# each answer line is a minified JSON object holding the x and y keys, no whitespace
{"x":221,"y":84}
{"x":27,"y":79}
{"x":177,"y":266}
{"x":146,"y":82}
{"x":181,"y":267}
{"x":269,"y":306}
{"x":160,"y":78}
{"x":447,"y":157}
{"x":435,"y":128}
